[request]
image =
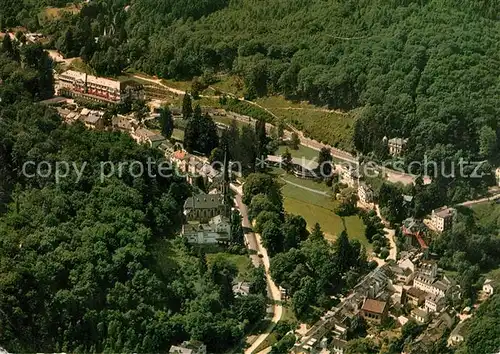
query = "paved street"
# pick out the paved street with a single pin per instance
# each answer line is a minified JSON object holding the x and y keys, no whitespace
{"x":254,"y":242}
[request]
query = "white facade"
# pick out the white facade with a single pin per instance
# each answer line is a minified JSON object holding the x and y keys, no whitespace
{"x":365,"y":194}
{"x":434,"y":303}
{"x":420,"y":315}
{"x":349,"y":176}
{"x":396,"y":146}
{"x":442,"y":218}
{"x":430,"y":285}
{"x":82,"y":83}
{"x":497,"y":175}
{"x":217,"y":229}
{"x":488,"y":287}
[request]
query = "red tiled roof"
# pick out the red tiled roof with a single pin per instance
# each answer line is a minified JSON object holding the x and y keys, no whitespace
{"x":374,"y":306}
{"x":179,"y":155}
{"x":421,"y":241}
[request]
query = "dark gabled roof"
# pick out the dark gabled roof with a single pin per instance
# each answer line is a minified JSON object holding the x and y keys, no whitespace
{"x":206,"y":201}
{"x":415,"y":292}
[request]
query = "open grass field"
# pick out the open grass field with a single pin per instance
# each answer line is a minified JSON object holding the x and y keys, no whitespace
{"x":179,"y":85}
{"x":178,"y":134}
{"x":230,"y":84}
{"x":320,"y":186}
{"x":487,"y":214}
{"x":55,"y":13}
{"x":227,"y":121}
{"x":316,"y":208}
{"x":335,"y":128}
{"x":242,"y":263}
{"x":303,"y":151}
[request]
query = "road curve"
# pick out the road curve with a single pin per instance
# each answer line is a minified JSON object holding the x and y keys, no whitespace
{"x":254,"y":242}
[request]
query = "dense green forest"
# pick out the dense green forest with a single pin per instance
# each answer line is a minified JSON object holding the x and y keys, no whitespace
{"x":484,"y":329}
{"x":79,"y":263}
{"x":426,"y":70}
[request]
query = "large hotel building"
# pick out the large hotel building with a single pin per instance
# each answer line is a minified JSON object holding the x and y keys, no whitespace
{"x":77,"y":84}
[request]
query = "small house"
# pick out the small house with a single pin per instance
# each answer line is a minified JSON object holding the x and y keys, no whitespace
{"x":488,"y":287}
{"x":191,"y":347}
{"x":365,"y":193}
{"x":415,"y":296}
{"x":396,"y":146}
{"x":458,"y":334}
{"x":420,"y":315}
{"x":434,"y":303}
{"x":374,"y":311}
{"x":442,"y":218}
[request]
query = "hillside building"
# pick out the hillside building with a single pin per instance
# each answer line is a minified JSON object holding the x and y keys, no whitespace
{"x":191,"y":347}
{"x":442,"y":218}
{"x":396,"y":146}
{"x":77,"y":84}
{"x":217,"y":230}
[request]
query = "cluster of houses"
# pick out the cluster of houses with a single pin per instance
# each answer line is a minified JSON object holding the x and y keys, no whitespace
{"x":92,"y":119}
{"x":207,"y":215}
{"x":413,"y":285}
{"x":32,"y":37}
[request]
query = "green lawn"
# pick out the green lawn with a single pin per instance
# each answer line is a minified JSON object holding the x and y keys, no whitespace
{"x":493,"y":275}
{"x":230,"y":84}
{"x":179,"y":85}
{"x":242,"y":262}
{"x":335,"y":128}
{"x":487,"y":214}
{"x":308,"y":183}
{"x":178,"y":134}
{"x":315,"y":208}
{"x":303,"y":151}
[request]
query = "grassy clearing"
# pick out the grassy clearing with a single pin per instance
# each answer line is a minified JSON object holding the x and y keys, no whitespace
{"x":242,"y":263}
{"x":230,"y":84}
{"x":320,"y":186}
{"x":308,"y":183}
{"x":493,"y":275}
{"x":302,"y":151}
{"x":178,"y":134}
{"x":78,"y":65}
{"x":335,"y":128}
{"x":179,"y":85}
{"x":487,"y":214}
{"x":55,"y":13}
{"x":228,"y":120}
{"x":315,"y":208}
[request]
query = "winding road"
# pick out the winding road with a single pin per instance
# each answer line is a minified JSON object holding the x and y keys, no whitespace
{"x":391,"y":175}
{"x":254,"y":242}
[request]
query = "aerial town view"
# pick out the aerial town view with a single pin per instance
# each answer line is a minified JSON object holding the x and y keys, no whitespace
{"x":250,"y":177}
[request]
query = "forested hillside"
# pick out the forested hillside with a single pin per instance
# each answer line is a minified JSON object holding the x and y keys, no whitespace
{"x":79,"y":271}
{"x":421,"y":69}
